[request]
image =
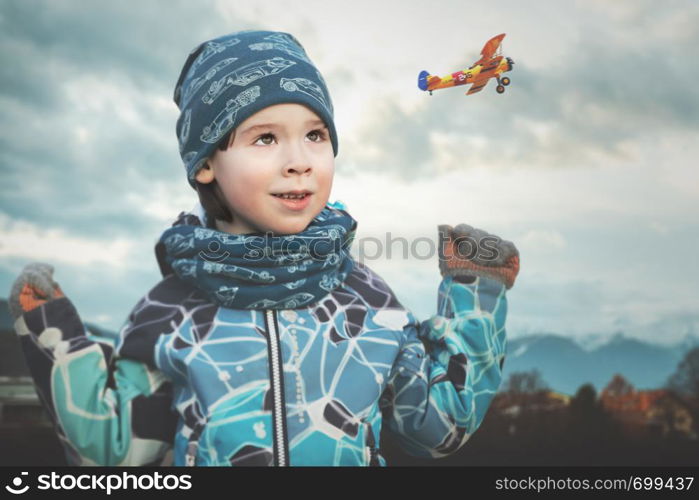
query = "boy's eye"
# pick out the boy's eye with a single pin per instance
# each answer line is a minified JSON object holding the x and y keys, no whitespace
{"x":316,"y":135}
{"x":265,"y":139}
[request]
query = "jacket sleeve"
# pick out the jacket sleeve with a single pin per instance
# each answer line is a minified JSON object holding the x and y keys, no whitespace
{"x":448,"y":369}
{"x":106,"y":410}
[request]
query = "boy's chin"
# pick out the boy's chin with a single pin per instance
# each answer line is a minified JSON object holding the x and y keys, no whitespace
{"x":291,"y":227}
{"x":290,"y":224}
{"x":294,"y":225}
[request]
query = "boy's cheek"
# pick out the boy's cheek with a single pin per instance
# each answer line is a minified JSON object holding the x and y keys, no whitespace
{"x":327,"y":174}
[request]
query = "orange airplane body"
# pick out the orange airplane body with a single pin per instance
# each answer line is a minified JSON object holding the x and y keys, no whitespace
{"x":490,"y":65}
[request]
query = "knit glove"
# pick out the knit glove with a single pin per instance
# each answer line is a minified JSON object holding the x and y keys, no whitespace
{"x":33,"y":288}
{"x":466,"y":252}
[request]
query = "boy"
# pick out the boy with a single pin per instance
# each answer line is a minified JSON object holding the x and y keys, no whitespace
{"x":266,"y":343}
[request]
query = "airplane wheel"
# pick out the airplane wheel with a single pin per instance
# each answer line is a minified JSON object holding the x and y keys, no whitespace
{"x":505,"y":81}
{"x":500,"y":89}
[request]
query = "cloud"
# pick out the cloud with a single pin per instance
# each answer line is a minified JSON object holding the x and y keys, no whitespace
{"x":88,"y":122}
{"x":107,"y":37}
{"x":29,"y":241}
{"x":543,"y":239}
{"x":578,"y":306}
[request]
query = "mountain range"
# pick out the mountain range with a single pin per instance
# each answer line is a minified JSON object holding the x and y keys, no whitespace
{"x":564,"y":364}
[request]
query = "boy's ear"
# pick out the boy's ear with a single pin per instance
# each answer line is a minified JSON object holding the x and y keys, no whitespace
{"x":205,"y":175}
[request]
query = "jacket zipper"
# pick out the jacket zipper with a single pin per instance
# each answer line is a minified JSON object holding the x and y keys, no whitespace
{"x":280,"y":444}
{"x":190,"y":457}
{"x":372,"y":451}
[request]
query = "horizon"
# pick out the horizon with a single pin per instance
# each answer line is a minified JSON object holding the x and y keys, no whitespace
{"x":589,"y":342}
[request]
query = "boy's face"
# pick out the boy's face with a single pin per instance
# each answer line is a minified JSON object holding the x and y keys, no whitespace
{"x":282,"y":149}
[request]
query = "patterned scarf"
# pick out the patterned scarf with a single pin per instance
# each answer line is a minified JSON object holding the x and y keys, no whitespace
{"x":257,"y":271}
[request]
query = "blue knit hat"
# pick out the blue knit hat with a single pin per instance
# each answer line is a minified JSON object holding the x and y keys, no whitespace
{"x":228,"y":79}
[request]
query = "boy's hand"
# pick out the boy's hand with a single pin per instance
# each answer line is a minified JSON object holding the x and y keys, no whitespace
{"x":33,"y":287}
{"x":465,"y":251}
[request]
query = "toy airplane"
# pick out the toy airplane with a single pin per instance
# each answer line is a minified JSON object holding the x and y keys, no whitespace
{"x":491,"y":64}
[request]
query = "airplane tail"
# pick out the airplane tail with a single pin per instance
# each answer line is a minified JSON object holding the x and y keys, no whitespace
{"x":422,"y":80}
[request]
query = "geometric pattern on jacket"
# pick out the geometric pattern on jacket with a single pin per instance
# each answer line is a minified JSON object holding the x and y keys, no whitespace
{"x":190,"y":375}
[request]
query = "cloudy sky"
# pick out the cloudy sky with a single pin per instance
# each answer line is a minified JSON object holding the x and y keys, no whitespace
{"x":585,"y":162}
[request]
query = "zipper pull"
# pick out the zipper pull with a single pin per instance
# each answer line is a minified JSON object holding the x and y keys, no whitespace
{"x":190,"y":456}
{"x":371,"y":453}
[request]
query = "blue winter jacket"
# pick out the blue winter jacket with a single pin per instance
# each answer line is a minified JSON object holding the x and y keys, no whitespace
{"x":308,"y":386}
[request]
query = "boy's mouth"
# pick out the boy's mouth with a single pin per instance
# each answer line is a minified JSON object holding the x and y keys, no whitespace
{"x":293,"y":195}
{"x":296,"y":201}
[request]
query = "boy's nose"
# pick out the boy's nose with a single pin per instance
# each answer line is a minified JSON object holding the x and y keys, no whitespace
{"x":291,"y":168}
{"x":298,"y":161}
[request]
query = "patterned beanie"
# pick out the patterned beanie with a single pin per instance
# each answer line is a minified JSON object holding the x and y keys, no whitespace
{"x":228,"y":79}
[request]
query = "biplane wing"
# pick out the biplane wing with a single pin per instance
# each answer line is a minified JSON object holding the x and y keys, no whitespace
{"x":478,"y":85}
{"x":491,"y":46}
